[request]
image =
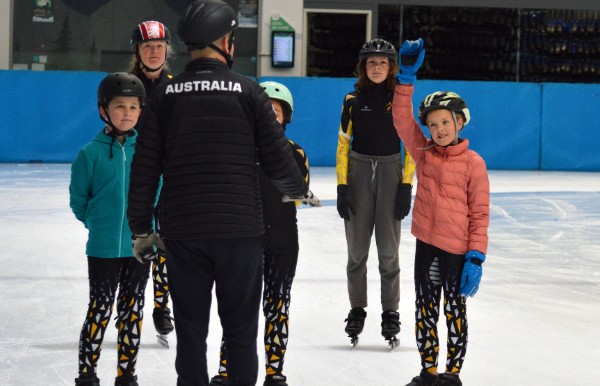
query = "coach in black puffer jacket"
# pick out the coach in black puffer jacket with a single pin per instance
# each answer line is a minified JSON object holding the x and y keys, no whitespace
{"x":205,"y":130}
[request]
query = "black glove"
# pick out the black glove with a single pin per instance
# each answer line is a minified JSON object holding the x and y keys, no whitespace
{"x":403,"y":196}
{"x":344,"y":204}
{"x":146,"y":247}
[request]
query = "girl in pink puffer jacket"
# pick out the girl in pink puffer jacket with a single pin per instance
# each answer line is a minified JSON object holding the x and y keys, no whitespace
{"x":450,"y":216}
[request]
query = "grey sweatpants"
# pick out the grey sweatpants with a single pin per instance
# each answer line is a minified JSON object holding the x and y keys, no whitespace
{"x":373,"y":183}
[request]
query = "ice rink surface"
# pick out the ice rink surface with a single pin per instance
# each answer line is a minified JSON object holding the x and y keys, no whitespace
{"x":535,"y":320}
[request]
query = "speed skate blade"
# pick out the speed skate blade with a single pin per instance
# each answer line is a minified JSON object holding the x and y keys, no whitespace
{"x":162,"y":340}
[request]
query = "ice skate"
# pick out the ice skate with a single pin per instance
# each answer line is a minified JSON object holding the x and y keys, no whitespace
{"x":129,"y":380}
{"x":90,"y":380}
{"x":390,"y":327}
{"x":355,"y":325}
{"x":275,"y":380}
{"x":163,"y":324}
{"x":424,"y":379}
{"x":448,"y":379}
{"x":219,"y":380}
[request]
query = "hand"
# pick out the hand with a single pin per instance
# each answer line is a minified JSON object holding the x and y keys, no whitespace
{"x":344,"y":205}
{"x":146,"y":247}
{"x":403,"y":197}
{"x":410,"y":59}
{"x":309,"y":199}
{"x":471,"y":275}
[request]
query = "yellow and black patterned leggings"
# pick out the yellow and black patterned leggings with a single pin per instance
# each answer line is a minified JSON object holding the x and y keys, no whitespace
{"x":437,"y":270}
{"x":105,"y":276}
{"x":279,"y":272}
{"x":160,"y":282}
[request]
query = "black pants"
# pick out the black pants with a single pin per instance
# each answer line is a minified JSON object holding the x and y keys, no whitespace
{"x":235,"y":268}
{"x":279,"y":272}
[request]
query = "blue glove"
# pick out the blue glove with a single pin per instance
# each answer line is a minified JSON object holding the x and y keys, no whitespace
{"x":471,"y":274}
{"x":410,"y":59}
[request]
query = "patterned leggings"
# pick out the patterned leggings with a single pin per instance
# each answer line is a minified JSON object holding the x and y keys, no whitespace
{"x":437,"y":270}
{"x":279,"y":272}
{"x":160,"y":282}
{"x":105,"y":275}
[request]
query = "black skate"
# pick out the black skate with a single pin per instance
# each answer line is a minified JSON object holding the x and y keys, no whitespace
{"x":89,"y":380}
{"x":390,"y":327}
{"x":219,"y":380}
{"x":275,"y":380}
{"x":424,"y":379}
{"x":129,"y":380}
{"x":447,"y":379}
{"x":356,"y":323}
{"x":163,"y":324}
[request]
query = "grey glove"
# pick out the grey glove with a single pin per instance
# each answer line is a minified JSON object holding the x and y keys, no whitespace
{"x":146,"y":247}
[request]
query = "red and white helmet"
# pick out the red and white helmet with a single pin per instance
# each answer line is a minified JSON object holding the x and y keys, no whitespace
{"x":149,"y":30}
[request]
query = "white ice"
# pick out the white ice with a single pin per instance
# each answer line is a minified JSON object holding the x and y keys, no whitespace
{"x":535,"y":320}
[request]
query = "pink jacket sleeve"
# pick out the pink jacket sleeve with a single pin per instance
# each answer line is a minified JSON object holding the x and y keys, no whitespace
{"x":407,"y":128}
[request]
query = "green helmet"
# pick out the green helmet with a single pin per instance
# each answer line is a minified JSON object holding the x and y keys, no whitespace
{"x":281,"y":93}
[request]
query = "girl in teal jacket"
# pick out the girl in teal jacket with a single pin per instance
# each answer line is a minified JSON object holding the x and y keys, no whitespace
{"x":98,"y":197}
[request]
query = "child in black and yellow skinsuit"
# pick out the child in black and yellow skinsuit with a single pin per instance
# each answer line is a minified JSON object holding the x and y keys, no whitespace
{"x":280,"y":254}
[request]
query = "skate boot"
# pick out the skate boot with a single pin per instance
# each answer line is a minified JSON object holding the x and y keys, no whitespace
{"x":390,"y":327}
{"x":448,"y":379}
{"x":87,"y":380}
{"x":163,"y":324}
{"x":275,"y":380}
{"x":424,"y":379}
{"x":126,"y":380}
{"x":356,"y":323}
{"x":219,"y":380}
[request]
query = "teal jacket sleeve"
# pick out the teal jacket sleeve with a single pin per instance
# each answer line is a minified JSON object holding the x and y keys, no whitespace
{"x":81,"y":186}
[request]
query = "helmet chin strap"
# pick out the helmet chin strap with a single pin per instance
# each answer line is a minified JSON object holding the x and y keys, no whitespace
{"x":455,"y":141}
{"x":143,"y":65}
{"x":228,"y":58}
{"x":114,"y":131}
{"x":148,"y":69}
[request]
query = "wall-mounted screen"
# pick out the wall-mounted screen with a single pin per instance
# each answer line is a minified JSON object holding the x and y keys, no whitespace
{"x":282,"y":48}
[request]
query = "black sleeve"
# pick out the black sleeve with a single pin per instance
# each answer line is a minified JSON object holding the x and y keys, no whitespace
{"x":146,"y":169}
{"x":275,"y":155}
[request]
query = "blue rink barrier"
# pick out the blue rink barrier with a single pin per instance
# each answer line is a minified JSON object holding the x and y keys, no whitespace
{"x":47,"y":117}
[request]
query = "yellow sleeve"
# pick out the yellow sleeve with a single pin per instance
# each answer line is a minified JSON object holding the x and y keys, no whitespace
{"x":344,"y":142}
{"x":408,"y":174}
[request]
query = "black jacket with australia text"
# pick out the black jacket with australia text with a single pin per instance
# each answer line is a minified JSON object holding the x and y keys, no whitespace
{"x":205,"y":131}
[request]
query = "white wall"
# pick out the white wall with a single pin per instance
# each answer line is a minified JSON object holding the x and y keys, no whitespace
{"x":292,"y":12}
{"x":6,"y":30}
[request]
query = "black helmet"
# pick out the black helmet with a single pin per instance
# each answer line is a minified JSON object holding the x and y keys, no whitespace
{"x":149,"y":30}
{"x":378,"y":47}
{"x":443,"y":100}
{"x":204,"y":21}
{"x":120,"y":84}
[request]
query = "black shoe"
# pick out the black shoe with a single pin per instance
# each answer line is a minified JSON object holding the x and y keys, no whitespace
{"x":424,"y":379}
{"x":275,"y":380}
{"x":162,"y":320}
{"x":87,"y":380}
{"x":449,"y":379}
{"x":127,"y":380}
{"x":219,"y":380}
{"x":390,"y":324}
{"x":356,"y":321}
